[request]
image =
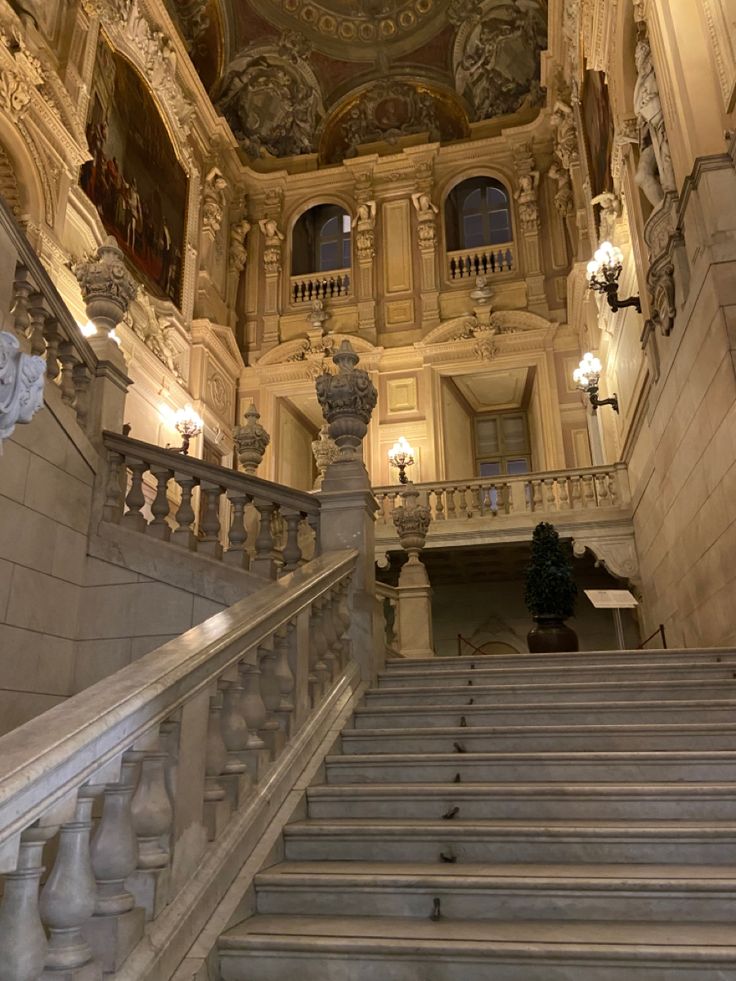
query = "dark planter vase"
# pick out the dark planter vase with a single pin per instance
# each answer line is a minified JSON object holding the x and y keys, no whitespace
{"x":551,"y":635}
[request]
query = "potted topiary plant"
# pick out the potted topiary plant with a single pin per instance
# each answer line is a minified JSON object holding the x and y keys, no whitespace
{"x":550,"y":593}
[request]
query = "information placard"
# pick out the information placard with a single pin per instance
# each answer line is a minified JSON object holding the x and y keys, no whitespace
{"x":611,"y":599}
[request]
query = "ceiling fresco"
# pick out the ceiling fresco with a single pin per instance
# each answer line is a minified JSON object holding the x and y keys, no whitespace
{"x":330,"y":77}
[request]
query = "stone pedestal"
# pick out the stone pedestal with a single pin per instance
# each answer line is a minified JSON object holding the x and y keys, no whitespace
{"x":151,"y":890}
{"x":257,"y":761}
{"x":237,"y":787}
{"x":216,"y":816}
{"x":415,"y":610}
{"x":113,"y":937}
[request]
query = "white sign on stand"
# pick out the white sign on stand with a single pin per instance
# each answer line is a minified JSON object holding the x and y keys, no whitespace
{"x":615,"y":600}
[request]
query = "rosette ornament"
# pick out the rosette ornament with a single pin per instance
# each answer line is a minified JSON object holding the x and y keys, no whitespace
{"x":348,"y":398}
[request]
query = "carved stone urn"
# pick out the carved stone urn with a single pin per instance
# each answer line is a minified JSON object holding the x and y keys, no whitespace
{"x":252,"y":440}
{"x":325,"y":452}
{"x":106,"y":285}
{"x":412,"y":522}
{"x":348,"y":398}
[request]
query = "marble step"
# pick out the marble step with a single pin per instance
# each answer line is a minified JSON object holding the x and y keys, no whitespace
{"x":525,"y":802}
{"x":528,"y":767}
{"x":572,"y":659}
{"x":486,"y":675}
{"x":525,"y":739}
{"x":314,"y":948}
{"x":646,"y":893}
{"x":534,"y":840}
{"x":443,"y":714}
{"x":703,"y":688}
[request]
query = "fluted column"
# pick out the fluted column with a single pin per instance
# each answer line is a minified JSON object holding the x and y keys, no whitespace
{"x":69,"y":896}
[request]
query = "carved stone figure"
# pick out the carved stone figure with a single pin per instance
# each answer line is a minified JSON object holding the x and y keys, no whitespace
{"x":496,"y":62}
{"x":238,"y":252}
{"x":272,"y":249}
{"x":566,"y":140}
{"x":325,"y":452}
{"x":563,"y":197}
{"x":213,"y":202}
{"x":193,"y":20}
{"x":426,"y":219}
{"x":365,"y":230}
{"x":318,"y":314}
{"x":526,"y":196}
{"x":610,"y":211}
{"x":482,"y":294}
{"x":22,"y":379}
{"x":270,"y":97}
{"x":154,"y":331}
{"x":655,"y":174}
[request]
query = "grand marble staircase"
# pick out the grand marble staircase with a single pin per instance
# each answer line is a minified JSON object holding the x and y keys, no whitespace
{"x":530,"y":818}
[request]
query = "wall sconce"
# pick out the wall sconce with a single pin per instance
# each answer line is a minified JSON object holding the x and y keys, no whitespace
{"x":188,"y":424}
{"x":587,"y":376}
{"x":604,"y":270}
{"x":401,"y":456}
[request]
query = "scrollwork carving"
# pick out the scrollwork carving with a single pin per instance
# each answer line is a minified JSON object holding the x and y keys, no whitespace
{"x":21,"y":384}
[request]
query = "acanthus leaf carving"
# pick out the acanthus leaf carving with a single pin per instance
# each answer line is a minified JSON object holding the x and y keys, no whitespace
{"x":22,"y":379}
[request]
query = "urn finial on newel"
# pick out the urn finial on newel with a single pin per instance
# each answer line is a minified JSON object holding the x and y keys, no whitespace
{"x":107,"y":286}
{"x":348,"y":398}
{"x":252,"y":440}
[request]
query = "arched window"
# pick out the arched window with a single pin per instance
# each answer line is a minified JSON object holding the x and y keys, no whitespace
{"x":477,"y":214}
{"x":321,"y":240}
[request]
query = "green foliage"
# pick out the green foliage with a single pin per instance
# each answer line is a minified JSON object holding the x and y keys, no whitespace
{"x":550,"y":587}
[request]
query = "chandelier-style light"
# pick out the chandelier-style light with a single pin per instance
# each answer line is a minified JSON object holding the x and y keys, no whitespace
{"x":188,"y":424}
{"x":401,"y":456}
{"x":587,"y":377}
{"x":604,"y":271}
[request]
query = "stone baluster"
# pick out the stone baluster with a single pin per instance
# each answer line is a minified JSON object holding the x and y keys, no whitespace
{"x":209,"y":543}
{"x":332,"y":655}
{"x":69,"y":896}
{"x":159,"y":527}
{"x":285,"y":676}
{"x":588,"y":491}
{"x":450,"y":498}
{"x":37,"y":313}
{"x":391,"y":502}
{"x":237,"y":554}
{"x":117,"y":924}
{"x":52,"y":336}
{"x":151,"y":810}
{"x":551,"y":500}
{"x":216,"y":801}
{"x":235,"y":736}
{"x":183,"y":534}
{"x":601,"y":481}
{"x":271,"y":731}
{"x":344,"y":613}
{"x":136,"y":499}
{"x":82,"y":380}
{"x":576,"y":491}
{"x":257,"y":752}
{"x":564,"y":493}
{"x":313,"y":522}
{"x":439,"y":507}
{"x":612,"y":487}
{"x":318,"y":644}
{"x":23,"y":943}
{"x":113,"y":507}
{"x":494,"y":496}
{"x":23,"y":288}
{"x":264,"y":563}
{"x":292,"y":553}
{"x":68,"y":359}
{"x":536,"y":495}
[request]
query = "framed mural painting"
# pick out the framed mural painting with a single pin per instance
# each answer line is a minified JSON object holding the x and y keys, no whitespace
{"x":599,"y":131}
{"x":135,"y":179}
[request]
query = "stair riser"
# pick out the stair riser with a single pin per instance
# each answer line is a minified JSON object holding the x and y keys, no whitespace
{"x":530,"y":743}
{"x":416,"y":771}
{"x":534,"y":903}
{"x":375,"y":718}
{"x":562,"y":676}
{"x":594,"y":849}
{"x":509,"y":695}
{"x":500,"y":808}
{"x":653,"y":658}
{"x":252,"y":964}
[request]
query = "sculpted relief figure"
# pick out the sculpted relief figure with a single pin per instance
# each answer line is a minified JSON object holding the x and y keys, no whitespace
{"x":566,"y":141}
{"x":426,"y":219}
{"x":213,"y":201}
{"x":610,"y":211}
{"x":526,"y":196}
{"x":365,"y":230}
{"x":238,"y":252}
{"x":272,"y":250}
{"x":655,"y":175}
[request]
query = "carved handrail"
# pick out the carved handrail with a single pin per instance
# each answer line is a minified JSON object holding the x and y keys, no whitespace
{"x":176,"y":745}
{"x":266,"y":529}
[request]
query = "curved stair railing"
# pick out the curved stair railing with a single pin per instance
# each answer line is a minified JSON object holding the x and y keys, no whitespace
{"x":156,"y":782}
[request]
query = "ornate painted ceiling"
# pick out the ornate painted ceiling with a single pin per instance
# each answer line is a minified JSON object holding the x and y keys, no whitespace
{"x":335,"y":77}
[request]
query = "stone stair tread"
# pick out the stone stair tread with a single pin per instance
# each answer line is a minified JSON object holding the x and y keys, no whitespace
{"x":637,"y":684}
{"x":572,"y":756}
{"x":542,"y":787}
{"x":592,"y":707}
{"x":652,"y":728}
{"x":423,"y":663}
{"x":359,"y":873}
{"x":630,"y":667}
{"x":407,"y":934}
{"x":393,"y":826}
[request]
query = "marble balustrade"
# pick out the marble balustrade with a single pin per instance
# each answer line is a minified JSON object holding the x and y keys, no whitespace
{"x":108,"y":801}
{"x":241,"y":520}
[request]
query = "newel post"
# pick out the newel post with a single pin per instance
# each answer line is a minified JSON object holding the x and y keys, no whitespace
{"x":349,"y":507}
{"x":108,"y":290}
{"x":412,"y":521}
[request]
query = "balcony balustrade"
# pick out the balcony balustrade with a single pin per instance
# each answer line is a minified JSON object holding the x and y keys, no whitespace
{"x":334,"y":285}
{"x":464,"y":265}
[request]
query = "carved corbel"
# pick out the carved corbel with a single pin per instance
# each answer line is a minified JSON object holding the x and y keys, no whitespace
{"x":617,"y":555}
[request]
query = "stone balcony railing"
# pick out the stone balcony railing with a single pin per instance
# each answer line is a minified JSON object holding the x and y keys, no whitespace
{"x":464,"y":265}
{"x":332,"y":286}
{"x":591,"y":505}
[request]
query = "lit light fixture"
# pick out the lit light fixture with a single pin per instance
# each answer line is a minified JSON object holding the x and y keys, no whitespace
{"x":188,"y":424}
{"x":604,"y":270}
{"x":401,"y":456}
{"x":587,"y":376}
